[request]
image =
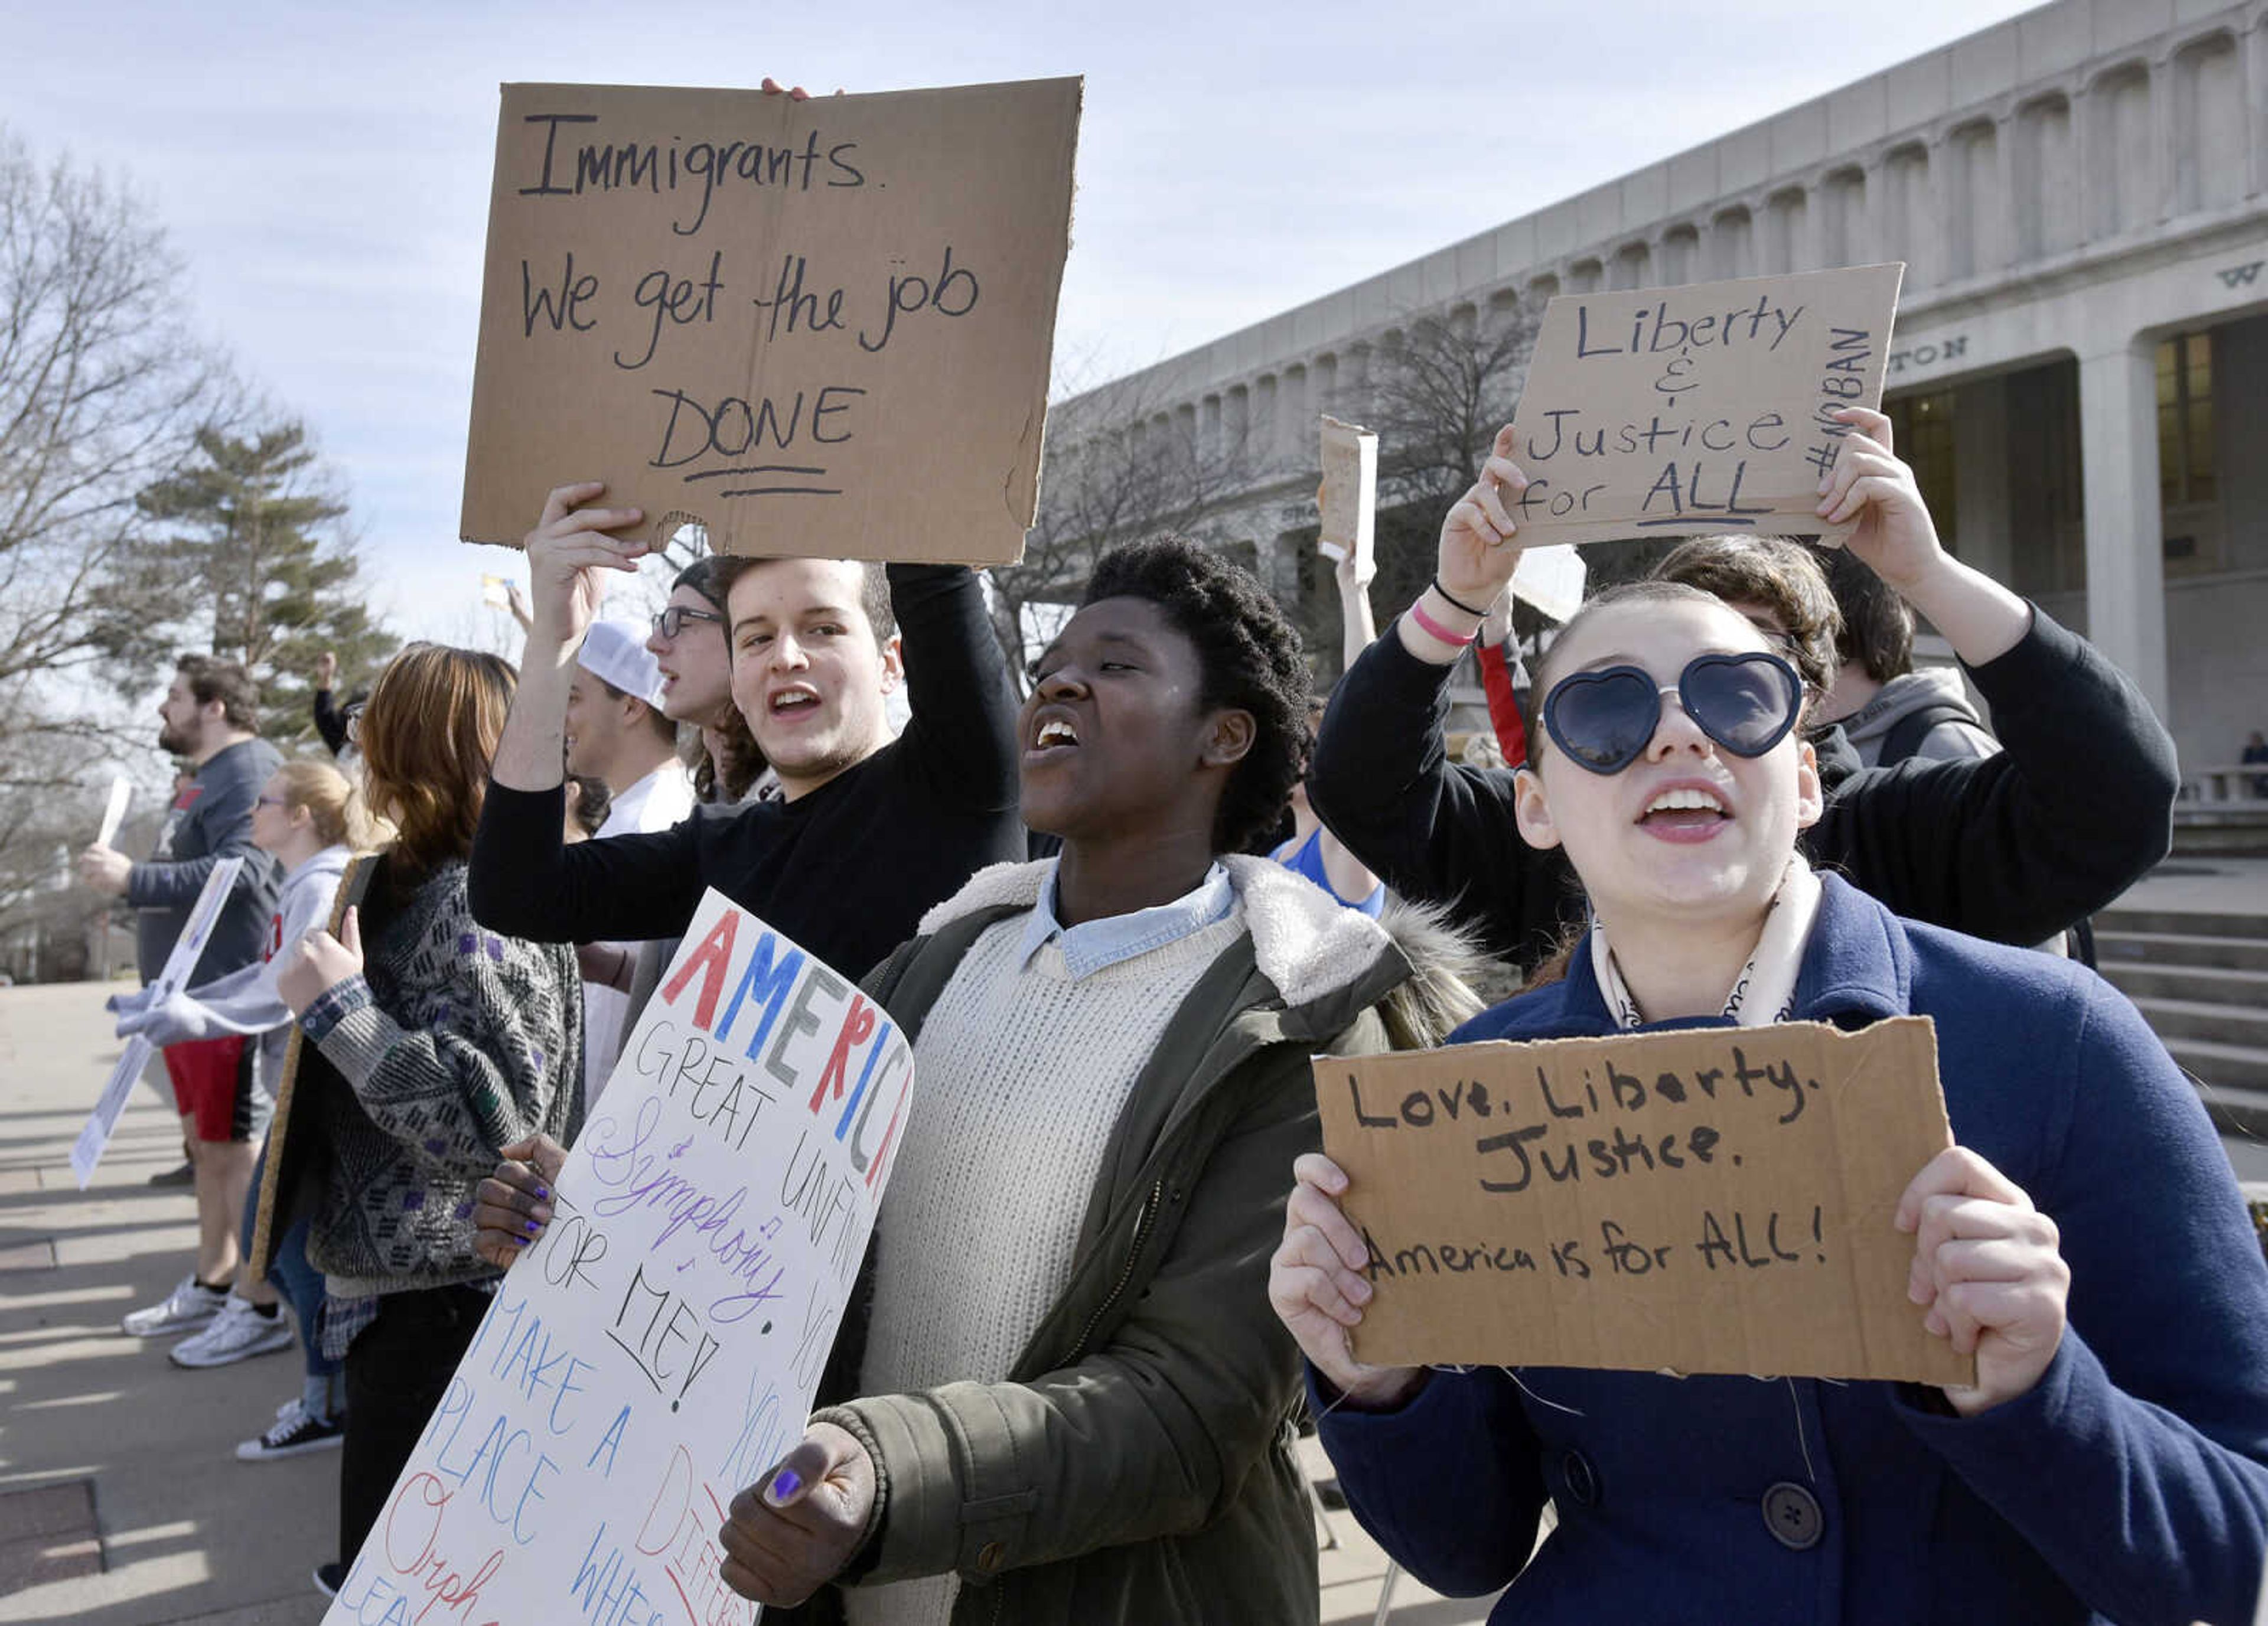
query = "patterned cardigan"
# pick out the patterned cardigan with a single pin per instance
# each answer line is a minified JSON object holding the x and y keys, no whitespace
{"x":455,"y":1042}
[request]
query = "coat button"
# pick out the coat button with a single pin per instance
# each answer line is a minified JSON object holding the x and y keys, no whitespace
{"x":1792,"y":1516}
{"x":1582,"y":1481}
{"x":989,"y":1557}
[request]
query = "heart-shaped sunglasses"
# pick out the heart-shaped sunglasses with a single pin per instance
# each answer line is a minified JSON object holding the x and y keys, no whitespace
{"x":1604,"y":720}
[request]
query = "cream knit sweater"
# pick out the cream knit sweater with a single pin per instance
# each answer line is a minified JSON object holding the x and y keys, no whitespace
{"x":1022,"y":1075}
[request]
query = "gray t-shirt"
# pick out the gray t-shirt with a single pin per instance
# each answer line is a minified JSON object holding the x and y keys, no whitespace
{"x":211,"y":820}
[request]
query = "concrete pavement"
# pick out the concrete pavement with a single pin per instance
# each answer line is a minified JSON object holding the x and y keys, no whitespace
{"x":122,"y":1501}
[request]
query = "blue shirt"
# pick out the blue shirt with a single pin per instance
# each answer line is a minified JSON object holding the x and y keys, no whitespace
{"x":1092,"y":946}
{"x":1307,"y":858}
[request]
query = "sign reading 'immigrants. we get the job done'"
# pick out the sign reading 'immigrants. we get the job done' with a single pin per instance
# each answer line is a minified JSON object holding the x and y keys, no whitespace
{"x":657,"y":1349}
{"x":820,"y":328}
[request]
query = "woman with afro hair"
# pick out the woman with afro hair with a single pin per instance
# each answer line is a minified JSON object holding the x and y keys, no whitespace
{"x":1072,"y":1400}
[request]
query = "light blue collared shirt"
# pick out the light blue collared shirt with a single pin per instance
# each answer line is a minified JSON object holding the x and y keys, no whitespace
{"x":1091,"y":947}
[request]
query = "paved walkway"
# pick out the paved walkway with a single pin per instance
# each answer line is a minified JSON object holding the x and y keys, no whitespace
{"x":122,"y":1501}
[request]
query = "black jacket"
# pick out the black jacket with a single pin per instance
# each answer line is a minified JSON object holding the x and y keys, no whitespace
{"x":2016,"y":847}
{"x":846,"y":871}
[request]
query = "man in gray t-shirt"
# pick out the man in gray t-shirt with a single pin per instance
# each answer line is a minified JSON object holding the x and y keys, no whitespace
{"x":211,"y":719}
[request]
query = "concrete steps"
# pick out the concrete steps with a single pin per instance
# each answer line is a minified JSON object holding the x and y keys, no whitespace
{"x":2175,"y":948}
{"x":2200,"y":979}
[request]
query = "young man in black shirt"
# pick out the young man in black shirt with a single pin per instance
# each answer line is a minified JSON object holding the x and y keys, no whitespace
{"x":2075,"y":809}
{"x":873,"y":830}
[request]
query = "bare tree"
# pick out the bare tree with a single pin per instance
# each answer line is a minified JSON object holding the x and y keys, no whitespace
{"x":102,"y":387}
{"x":1437,"y":399}
{"x":1119,"y":467}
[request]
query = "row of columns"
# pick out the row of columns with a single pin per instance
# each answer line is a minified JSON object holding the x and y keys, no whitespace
{"x":2054,"y":168}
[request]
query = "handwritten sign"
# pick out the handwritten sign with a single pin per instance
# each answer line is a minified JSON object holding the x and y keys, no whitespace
{"x":1716,"y":1200}
{"x":180,"y":965}
{"x":819,"y":327}
{"x":1348,"y":497}
{"x":1694,"y":410}
{"x":658,"y":1347}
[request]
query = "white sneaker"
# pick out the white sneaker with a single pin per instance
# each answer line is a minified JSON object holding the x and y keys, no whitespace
{"x":185,"y":1309}
{"x":294,"y":1435}
{"x":236,"y":1334}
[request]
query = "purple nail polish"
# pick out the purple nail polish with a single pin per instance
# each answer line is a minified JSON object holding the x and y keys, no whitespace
{"x":532,"y":1227}
{"x":785,"y":1483}
{"x":543,"y":1191}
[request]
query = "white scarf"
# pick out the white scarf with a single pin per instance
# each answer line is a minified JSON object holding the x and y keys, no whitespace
{"x":1765,"y":990}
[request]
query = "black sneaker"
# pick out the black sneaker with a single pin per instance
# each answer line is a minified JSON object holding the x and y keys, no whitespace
{"x":185,"y":1175}
{"x":295,"y":1434}
{"x":329,"y":1577}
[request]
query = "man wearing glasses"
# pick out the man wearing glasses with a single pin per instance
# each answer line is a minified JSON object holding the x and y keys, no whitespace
{"x":688,"y":643}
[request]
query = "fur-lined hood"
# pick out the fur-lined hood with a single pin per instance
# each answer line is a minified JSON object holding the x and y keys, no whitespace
{"x":1304,"y":942}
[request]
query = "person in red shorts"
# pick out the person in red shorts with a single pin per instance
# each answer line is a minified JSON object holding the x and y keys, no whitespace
{"x":211,"y":717}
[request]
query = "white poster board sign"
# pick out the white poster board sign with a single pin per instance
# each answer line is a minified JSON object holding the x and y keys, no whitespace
{"x":657,"y":1349}
{"x":114,"y":811}
{"x":1552,"y":579}
{"x":102,"y":1123}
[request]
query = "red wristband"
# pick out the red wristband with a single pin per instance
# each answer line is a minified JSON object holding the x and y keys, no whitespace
{"x":1427,"y":625}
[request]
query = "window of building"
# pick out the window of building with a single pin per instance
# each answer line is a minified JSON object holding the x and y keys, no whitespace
{"x":2047,"y":532}
{"x":1921,"y":432}
{"x":2189,"y":484}
{"x":2185,"y":460}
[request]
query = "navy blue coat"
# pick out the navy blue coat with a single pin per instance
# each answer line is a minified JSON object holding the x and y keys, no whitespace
{"x":2131,"y":1483}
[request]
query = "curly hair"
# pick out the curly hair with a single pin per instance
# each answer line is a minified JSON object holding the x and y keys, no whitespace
{"x":1251,"y":659}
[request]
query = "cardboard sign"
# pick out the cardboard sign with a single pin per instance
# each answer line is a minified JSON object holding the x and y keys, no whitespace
{"x":819,"y":328}
{"x":657,"y":1349}
{"x":102,"y":1123}
{"x":1717,"y":1200}
{"x":293,"y":1150}
{"x":1695,"y":410}
{"x":1348,"y":497}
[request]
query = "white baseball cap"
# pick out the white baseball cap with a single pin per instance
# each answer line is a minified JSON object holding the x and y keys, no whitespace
{"x":614,"y":652}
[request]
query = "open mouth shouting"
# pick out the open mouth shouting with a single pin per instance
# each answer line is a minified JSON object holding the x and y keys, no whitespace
{"x":1054,"y":734}
{"x":1687,"y":811}
{"x":797,"y":702}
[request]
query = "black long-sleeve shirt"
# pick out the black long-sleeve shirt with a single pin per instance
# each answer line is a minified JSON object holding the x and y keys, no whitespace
{"x":331,"y":721}
{"x":2074,"y":809}
{"x":847,"y":870}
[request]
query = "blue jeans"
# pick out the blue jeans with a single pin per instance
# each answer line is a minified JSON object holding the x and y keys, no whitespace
{"x":292,"y":1275}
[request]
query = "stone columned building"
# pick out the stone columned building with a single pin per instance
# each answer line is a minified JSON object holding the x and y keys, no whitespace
{"x":2080,"y":372}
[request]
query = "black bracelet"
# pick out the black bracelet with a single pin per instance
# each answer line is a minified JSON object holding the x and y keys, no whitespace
{"x":1449,"y":597}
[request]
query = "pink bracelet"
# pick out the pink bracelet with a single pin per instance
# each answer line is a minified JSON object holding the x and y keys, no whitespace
{"x":1433,"y":629}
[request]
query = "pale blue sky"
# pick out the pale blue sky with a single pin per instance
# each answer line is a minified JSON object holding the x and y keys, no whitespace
{"x":324,"y":171}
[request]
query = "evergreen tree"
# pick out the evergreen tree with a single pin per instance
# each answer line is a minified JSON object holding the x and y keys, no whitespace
{"x":267,"y":577}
